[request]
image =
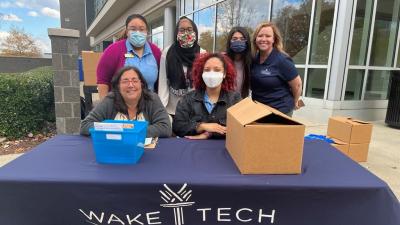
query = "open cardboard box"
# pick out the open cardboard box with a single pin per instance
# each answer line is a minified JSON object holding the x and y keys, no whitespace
{"x":90,"y":60}
{"x":262,"y":140}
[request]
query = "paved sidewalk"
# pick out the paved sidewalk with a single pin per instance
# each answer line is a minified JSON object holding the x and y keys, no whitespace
{"x":384,"y":152}
{"x":383,"y":159}
{"x":4,"y":159}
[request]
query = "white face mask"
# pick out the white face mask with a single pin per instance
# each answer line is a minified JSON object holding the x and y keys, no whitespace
{"x":212,"y":79}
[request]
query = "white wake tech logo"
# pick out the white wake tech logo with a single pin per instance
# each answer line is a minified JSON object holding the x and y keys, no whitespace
{"x":176,"y":200}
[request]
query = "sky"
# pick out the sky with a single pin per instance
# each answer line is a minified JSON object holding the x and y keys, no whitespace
{"x":34,"y":16}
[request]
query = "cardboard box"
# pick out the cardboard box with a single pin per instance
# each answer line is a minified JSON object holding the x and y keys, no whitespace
{"x":349,"y":130}
{"x":357,"y":152}
{"x":90,"y":60}
{"x":341,"y":146}
{"x":262,"y":140}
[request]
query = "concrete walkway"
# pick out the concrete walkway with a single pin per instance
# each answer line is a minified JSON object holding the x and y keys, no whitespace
{"x":383,"y":158}
{"x":384,"y":152}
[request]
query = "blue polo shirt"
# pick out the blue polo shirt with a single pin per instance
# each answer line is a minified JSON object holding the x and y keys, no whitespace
{"x":147,"y":64}
{"x":207,"y":103}
{"x":269,"y":81}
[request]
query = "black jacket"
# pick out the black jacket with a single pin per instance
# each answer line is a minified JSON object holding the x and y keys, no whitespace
{"x":191,"y":110}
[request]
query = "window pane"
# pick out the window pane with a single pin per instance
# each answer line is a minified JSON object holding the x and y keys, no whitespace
{"x":190,"y":16}
{"x":157,"y":29}
{"x":188,"y":6}
{"x":158,"y":39}
{"x":157,"y":34}
{"x":377,"y":85}
{"x":205,"y":21}
{"x":301,"y":74}
{"x":322,"y":31}
{"x":243,"y":13}
{"x":398,"y":57}
{"x":198,"y":4}
{"x":293,"y":19}
{"x":182,"y":7}
{"x":354,"y":85}
{"x":385,"y":33}
{"x":362,"y":26}
{"x":316,"y":83}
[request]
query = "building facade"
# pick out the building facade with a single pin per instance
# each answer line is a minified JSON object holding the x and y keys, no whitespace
{"x":72,"y":16}
{"x":345,"y":51}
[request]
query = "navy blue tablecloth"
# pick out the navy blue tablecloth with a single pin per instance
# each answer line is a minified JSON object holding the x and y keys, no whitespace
{"x":188,"y":182}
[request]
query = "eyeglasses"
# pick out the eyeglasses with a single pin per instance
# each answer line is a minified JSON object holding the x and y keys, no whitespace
{"x":128,"y":81}
{"x":183,"y":30}
{"x":140,"y":29}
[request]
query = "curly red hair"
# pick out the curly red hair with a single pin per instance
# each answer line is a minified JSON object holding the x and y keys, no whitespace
{"x":228,"y":84}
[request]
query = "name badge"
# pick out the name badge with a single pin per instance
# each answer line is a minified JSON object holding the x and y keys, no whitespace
{"x":129,"y":55}
{"x":266,"y":72}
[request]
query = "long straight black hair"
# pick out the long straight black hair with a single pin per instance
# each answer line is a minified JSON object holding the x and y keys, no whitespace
{"x":119,"y":102}
{"x":246,"y":57}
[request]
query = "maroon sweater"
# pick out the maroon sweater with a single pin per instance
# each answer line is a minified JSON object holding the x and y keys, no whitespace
{"x":113,"y":58}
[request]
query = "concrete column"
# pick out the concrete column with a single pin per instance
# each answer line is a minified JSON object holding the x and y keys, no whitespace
{"x":340,"y":47}
{"x":64,"y":45}
{"x":169,"y":26}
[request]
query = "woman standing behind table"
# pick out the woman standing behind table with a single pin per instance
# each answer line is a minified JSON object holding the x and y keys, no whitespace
{"x":132,"y":51}
{"x":176,"y":64}
{"x":201,"y":114}
{"x":238,"y":49}
{"x":274,"y":78}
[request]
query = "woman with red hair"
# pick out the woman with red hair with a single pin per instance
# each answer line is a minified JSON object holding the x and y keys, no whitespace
{"x":201,"y":113}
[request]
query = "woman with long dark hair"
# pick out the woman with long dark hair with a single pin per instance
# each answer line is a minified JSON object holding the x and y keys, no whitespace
{"x":238,"y":49}
{"x":176,"y":64}
{"x":130,"y":99}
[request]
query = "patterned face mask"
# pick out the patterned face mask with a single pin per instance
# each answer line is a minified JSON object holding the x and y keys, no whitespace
{"x":186,"y":39}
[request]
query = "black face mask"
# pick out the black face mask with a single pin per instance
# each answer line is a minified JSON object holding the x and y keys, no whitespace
{"x":238,"y":46}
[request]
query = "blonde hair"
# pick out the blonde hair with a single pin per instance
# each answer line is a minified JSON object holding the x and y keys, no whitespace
{"x":278,"y":43}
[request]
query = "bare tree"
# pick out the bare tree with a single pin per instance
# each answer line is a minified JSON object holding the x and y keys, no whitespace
{"x":19,"y":43}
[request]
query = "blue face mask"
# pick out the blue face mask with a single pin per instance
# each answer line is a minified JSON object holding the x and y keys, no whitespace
{"x":238,"y":46}
{"x":137,"y":38}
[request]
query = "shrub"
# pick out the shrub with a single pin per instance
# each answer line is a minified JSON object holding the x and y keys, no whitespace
{"x":26,"y":102}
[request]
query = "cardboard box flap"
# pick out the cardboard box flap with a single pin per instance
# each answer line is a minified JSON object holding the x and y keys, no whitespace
{"x":248,"y":111}
{"x":337,"y":141}
{"x":276,"y":119}
{"x":350,"y":120}
{"x":357,"y":122}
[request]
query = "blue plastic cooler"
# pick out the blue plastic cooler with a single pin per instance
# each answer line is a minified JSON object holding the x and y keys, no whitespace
{"x":120,"y":147}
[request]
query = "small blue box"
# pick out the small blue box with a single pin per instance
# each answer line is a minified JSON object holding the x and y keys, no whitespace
{"x":116,"y":147}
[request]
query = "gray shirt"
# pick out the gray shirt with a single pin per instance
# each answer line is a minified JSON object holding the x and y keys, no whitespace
{"x":154,"y":113}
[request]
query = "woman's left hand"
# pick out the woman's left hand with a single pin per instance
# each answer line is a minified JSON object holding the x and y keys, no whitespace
{"x":202,"y":136}
{"x":296,"y":105}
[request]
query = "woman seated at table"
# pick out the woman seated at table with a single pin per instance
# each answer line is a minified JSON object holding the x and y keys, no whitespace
{"x":131,"y":99}
{"x":201,"y":114}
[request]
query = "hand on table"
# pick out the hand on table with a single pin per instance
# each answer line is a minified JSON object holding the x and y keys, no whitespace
{"x":202,"y":136}
{"x":213,"y":127}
